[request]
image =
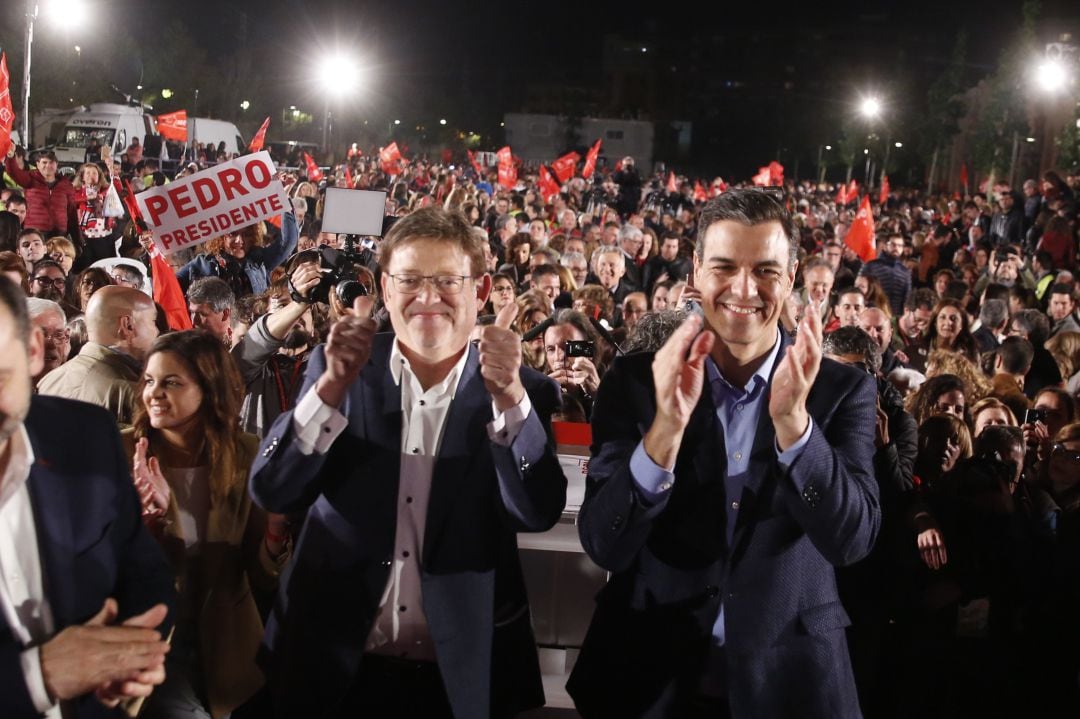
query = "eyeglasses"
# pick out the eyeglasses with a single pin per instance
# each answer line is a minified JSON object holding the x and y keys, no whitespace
{"x":54,"y":281}
{"x":1061,"y":451}
{"x":57,"y":336}
{"x":410,"y":284}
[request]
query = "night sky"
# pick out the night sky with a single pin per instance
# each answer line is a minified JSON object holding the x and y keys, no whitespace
{"x":757,"y":80}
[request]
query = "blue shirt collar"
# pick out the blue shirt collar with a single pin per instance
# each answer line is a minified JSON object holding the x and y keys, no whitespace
{"x":760,"y":377}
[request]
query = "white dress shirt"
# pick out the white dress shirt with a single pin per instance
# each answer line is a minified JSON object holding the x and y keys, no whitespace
{"x":22,"y":593}
{"x":400,"y":627}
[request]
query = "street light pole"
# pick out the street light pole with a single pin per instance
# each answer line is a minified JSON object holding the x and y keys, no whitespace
{"x":326,"y":126}
{"x":31,"y":15}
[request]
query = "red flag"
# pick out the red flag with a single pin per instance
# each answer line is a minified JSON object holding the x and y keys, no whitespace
{"x":860,"y":237}
{"x":313,"y":172}
{"x":761,"y":179}
{"x":390,"y":159}
{"x":590,"y":160}
{"x":474,"y":163}
{"x":173,"y":126}
{"x":447,"y":156}
{"x":565,"y":166}
{"x":7,"y":114}
{"x":167,"y":292}
{"x":776,"y":173}
{"x":699,"y":192}
{"x":260,"y":137}
{"x":348,"y":177}
{"x":507,"y":168}
{"x":853,"y":191}
{"x":841,"y":196}
{"x":964,"y":176}
{"x":884,"y":190}
{"x":672,"y":185}
{"x":548,"y":187}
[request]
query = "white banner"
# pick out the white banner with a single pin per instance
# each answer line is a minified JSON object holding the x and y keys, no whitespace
{"x":214,"y":202}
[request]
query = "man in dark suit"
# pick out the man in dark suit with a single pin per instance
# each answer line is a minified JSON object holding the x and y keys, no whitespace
{"x":83,"y":587}
{"x":418,"y":458}
{"x":722,"y":506}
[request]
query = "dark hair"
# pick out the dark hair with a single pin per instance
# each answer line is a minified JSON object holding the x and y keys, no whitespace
{"x":542,"y":270}
{"x":921,"y":403}
{"x":853,"y":341}
{"x":995,"y":291}
{"x":1059,"y":288}
{"x":14,"y":299}
{"x":1016,"y":354}
{"x":653,"y":330}
{"x":996,"y":438}
{"x":1064,"y":398}
{"x":747,"y":207}
{"x":44,"y":264}
{"x":922,"y":297}
{"x":9,"y":231}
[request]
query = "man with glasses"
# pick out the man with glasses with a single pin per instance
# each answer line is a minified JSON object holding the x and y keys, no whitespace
{"x":417,"y":458}
{"x":48,"y":281}
{"x":126,"y":276}
{"x":50,"y":318}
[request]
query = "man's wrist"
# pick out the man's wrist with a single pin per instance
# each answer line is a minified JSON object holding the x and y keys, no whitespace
{"x":330,"y":390}
{"x":790,"y":428}
{"x":508,"y":398}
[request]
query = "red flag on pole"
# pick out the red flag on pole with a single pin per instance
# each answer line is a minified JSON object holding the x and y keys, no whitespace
{"x":167,"y":292}
{"x":474,"y":163}
{"x":260,"y":137}
{"x":348,"y":177}
{"x":776,"y":173}
{"x":507,"y":168}
{"x":313,"y":172}
{"x":672,"y":185}
{"x":590,"y":160}
{"x":173,"y":126}
{"x":762,"y":178}
{"x":853,"y":191}
{"x":390,"y":159}
{"x":548,"y":187}
{"x":7,"y":114}
{"x":565,"y":166}
{"x":964,"y":177}
{"x":860,"y":237}
{"x":841,"y":196}
{"x":699,"y":192}
{"x":884,"y":197}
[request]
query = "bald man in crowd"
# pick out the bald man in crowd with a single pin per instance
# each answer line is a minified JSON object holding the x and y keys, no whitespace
{"x":120,"y":328}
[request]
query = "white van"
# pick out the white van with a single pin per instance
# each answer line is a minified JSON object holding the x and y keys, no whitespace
{"x":112,"y":124}
{"x":203,"y":130}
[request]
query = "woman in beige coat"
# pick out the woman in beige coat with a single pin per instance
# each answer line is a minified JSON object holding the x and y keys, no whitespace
{"x":190,"y":464}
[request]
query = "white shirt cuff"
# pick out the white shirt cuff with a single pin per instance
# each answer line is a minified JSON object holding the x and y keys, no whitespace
{"x":503,"y":430}
{"x":316,"y":423}
{"x":30,"y":659}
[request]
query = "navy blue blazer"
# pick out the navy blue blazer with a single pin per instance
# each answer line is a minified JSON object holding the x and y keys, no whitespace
{"x":91,"y":540}
{"x":650,"y":634}
{"x":474,"y":597}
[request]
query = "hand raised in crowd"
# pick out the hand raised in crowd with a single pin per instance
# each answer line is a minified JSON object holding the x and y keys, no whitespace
{"x":500,"y":359}
{"x":577,"y":372}
{"x":679,"y":376}
{"x":793,"y":379}
{"x":305,"y":277}
{"x":151,"y":484}
{"x":1037,"y":437}
{"x":115,"y":661}
{"x":348,"y":348}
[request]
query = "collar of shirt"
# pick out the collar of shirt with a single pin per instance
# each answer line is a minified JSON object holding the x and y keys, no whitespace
{"x":400,"y":367}
{"x":722,"y":389}
{"x":20,"y":459}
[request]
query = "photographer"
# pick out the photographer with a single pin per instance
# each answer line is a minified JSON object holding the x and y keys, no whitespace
{"x":572,"y":357}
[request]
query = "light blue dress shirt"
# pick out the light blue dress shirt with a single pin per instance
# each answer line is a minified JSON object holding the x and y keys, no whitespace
{"x":738,"y":409}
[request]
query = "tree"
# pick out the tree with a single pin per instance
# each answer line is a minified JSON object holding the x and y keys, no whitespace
{"x":945,"y":106}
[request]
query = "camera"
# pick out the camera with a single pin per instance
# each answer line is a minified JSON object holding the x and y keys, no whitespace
{"x":338,"y":269}
{"x":580,"y":348}
{"x":1034,"y":414}
{"x":1001,"y":256}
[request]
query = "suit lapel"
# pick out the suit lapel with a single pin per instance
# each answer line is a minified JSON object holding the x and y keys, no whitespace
{"x":468,"y":416}
{"x":52,"y":518}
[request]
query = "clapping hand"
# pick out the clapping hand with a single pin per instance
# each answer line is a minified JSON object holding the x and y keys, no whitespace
{"x":793,"y":379}
{"x":150,"y":483}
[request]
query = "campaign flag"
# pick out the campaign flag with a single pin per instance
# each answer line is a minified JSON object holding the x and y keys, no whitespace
{"x":214,"y":202}
{"x":167,"y":292}
{"x":699,"y":192}
{"x":565,"y":166}
{"x":762,"y":178}
{"x":173,"y":126}
{"x":776,"y":173}
{"x":884,"y":190}
{"x":590,"y":160}
{"x":313,"y":172}
{"x":847,"y":195}
{"x":7,"y":114}
{"x":348,"y":177}
{"x":390,"y":159}
{"x":260,"y":137}
{"x":672,"y":184}
{"x":860,"y":237}
{"x":549,"y":188}
{"x":507,"y":168}
{"x":964,"y":176}
{"x":505,"y":156}
{"x":475,"y":164}
{"x":841,"y":196}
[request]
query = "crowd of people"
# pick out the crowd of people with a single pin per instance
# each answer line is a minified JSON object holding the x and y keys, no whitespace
{"x":958,"y":581}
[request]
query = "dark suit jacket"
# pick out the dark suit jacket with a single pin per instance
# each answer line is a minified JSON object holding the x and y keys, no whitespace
{"x":473,"y":593}
{"x":91,"y":541}
{"x":672,"y":566}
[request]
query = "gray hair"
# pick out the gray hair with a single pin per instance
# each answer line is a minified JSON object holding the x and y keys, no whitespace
{"x":212,"y":291}
{"x":993,"y":313}
{"x":613,"y":251}
{"x":37,"y":307}
{"x":629,"y":232}
{"x":853,"y":341}
{"x":653,"y":330}
{"x":569,"y":257}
